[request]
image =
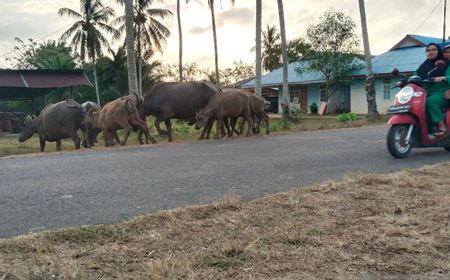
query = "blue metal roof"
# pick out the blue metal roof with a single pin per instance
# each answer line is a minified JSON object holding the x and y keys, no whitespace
{"x":275,"y":77}
{"x":428,"y":40}
{"x":405,"y":59}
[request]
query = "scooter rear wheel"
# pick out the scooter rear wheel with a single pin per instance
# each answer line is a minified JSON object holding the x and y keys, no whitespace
{"x":396,"y":141}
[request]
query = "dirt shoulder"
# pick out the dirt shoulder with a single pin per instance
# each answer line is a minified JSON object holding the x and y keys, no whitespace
{"x":368,"y":226}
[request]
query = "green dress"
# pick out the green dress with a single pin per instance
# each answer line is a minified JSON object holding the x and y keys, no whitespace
{"x":435,"y":98}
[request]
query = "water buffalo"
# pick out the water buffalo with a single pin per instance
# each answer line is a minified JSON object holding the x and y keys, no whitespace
{"x":121,"y":113}
{"x":55,"y":122}
{"x":173,"y":100}
{"x":220,"y":106}
{"x":257,"y":107}
{"x":91,"y":131}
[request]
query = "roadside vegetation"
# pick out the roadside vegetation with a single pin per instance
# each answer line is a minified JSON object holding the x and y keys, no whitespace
{"x":368,"y":226}
{"x":9,"y":144}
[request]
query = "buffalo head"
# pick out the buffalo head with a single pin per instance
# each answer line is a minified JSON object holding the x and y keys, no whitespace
{"x":201,"y":118}
{"x":29,"y":127}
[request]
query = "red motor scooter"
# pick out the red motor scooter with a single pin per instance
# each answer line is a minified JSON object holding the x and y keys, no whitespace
{"x":409,"y":122}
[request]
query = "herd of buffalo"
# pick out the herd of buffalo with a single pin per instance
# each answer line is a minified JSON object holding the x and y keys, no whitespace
{"x":199,"y":103}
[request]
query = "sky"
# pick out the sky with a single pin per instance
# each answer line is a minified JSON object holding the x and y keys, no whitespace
{"x":388,"y":22}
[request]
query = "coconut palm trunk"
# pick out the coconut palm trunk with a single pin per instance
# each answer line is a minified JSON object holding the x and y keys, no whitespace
{"x":216,"y":56}
{"x":131,"y":55}
{"x":139,"y":57}
{"x":180,"y":42}
{"x":258,"y":48}
{"x":284,"y":57}
{"x":96,"y":81}
{"x":372,"y":112}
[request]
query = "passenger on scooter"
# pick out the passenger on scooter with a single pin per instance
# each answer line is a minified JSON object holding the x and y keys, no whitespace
{"x":435,"y":91}
{"x":446,"y":55}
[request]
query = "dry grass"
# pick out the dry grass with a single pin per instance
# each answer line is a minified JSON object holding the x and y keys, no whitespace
{"x":9,"y":144}
{"x":368,"y":226}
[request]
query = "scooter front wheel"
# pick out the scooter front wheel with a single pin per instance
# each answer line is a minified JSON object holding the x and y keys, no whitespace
{"x":396,"y":141}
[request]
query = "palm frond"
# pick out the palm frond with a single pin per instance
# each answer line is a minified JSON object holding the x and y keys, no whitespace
{"x":69,"y":12}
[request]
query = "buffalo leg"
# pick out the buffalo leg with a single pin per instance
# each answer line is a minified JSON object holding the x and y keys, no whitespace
{"x":206,"y":129}
{"x":249,"y":124}
{"x":42,"y":143}
{"x":169,"y":129}
{"x":106,"y":137}
{"x":58,"y":145}
{"x":226,"y":125}
{"x":158,"y":128}
{"x":144,"y":130}
{"x":266,"y":120}
{"x":219,"y":127}
{"x":76,"y":140}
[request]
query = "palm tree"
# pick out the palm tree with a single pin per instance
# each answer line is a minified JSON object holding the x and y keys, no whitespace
{"x":370,"y":82}
{"x":213,"y":21}
{"x":131,"y":55}
{"x":86,"y":32}
{"x":149,"y":32}
{"x":258,"y":48}
{"x":271,"y":52}
{"x":284,"y":56}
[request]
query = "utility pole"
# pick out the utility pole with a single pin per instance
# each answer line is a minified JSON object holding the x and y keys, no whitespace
{"x":258,"y":48}
{"x":445,"y":19}
{"x":372,"y":112}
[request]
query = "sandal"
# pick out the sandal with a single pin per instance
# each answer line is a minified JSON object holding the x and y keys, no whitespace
{"x":440,"y":132}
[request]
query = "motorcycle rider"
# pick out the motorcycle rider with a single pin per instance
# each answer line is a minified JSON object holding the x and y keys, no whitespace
{"x":435,"y":91}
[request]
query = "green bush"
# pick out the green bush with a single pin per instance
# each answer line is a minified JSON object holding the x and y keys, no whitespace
{"x":314,"y":108}
{"x":346,"y":117}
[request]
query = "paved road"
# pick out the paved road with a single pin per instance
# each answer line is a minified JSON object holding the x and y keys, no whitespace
{"x":106,"y":186}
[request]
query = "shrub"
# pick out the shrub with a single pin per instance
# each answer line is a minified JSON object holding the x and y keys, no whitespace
{"x":314,"y":108}
{"x":346,"y":117}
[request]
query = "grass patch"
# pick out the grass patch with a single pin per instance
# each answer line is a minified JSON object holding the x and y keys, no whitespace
{"x":382,"y":226}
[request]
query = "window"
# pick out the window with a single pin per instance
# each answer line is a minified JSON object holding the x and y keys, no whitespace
{"x":323,"y":93}
{"x":294,"y":93}
{"x":386,"y":89}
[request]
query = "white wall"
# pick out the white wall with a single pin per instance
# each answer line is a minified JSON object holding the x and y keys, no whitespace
{"x":358,"y":98}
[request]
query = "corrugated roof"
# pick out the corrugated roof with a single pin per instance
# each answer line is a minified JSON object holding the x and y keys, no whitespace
{"x":42,"y":78}
{"x":276,"y":76}
{"x":23,"y":84}
{"x":405,"y":59}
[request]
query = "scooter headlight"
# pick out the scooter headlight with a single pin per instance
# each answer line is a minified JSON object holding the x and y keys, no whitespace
{"x":405,"y":95}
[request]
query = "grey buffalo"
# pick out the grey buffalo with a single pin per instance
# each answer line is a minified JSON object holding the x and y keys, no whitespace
{"x":55,"y":122}
{"x":173,"y":100}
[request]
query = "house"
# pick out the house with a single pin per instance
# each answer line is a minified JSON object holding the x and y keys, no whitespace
{"x":308,"y":88}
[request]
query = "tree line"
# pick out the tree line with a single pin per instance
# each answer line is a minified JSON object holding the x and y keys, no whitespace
{"x":330,"y":46}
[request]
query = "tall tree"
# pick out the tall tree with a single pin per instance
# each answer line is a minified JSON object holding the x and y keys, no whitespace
{"x":149,"y":32}
{"x":47,"y":55}
{"x":213,"y":23}
{"x":258,"y":48}
{"x":180,"y":42}
{"x":131,"y":54}
{"x":87,"y":31}
{"x":370,"y":81}
{"x":284,"y":56}
{"x":334,"y":49}
{"x":271,"y":45}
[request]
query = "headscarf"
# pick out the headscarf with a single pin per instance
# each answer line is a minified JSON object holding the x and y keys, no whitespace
{"x":447,"y":61}
{"x":428,"y":65}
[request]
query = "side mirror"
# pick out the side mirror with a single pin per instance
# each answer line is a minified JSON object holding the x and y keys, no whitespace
{"x":395,"y":72}
{"x":440,"y":64}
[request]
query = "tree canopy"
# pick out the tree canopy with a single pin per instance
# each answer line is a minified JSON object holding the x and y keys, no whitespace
{"x":334,"y":49}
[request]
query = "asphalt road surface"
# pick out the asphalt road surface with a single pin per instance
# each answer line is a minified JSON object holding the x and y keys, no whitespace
{"x":110,"y":185}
